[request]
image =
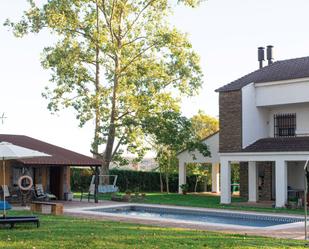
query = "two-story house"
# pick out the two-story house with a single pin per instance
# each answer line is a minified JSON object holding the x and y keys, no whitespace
{"x":264,"y":125}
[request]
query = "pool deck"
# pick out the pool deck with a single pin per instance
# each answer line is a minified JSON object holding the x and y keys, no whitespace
{"x":293,"y":231}
{"x":74,"y":208}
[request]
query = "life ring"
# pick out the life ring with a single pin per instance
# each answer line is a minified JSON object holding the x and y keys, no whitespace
{"x":27,"y":178}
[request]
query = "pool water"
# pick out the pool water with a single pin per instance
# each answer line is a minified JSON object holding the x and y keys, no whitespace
{"x":199,"y":216}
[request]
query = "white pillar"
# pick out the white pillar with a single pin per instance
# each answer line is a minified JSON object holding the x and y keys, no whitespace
{"x":281,"y":183}
{"x":225,"y":182}
{"x":215,"y":178}
{"x":253,"y":181}
{"x":182,"y":175}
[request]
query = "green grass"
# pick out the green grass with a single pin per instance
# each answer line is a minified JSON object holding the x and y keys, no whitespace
{"x":204,"y":201}
{"x":76,"y":233}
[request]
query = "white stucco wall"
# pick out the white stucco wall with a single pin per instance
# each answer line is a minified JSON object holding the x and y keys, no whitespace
{"x":296,"y":175}
{"x":254,"y":120}
{"x":302,"y":117}
{"x":213,"y":145}
{"x":284,"y":92}
{"x":258,"y":108}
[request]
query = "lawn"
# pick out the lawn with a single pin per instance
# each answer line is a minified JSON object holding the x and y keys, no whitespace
{"x":76,"y":233}
{"x":204,"y":201}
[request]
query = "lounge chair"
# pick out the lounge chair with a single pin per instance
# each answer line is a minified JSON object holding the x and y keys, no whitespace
{"x":41,"y":195}
{"x":12,"y":220}
{"x":7,"y":194}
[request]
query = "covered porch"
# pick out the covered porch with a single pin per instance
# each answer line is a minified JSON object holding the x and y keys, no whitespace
{"x":282,"y":175}
{"x":52,"y":172}
{"x":55,"y":179}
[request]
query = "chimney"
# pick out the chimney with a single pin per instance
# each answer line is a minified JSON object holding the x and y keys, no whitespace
{"x":261,"y":56}
{"x":270,"y":56}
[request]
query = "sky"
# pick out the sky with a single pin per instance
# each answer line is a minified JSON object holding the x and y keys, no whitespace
{"x":225,"y":33}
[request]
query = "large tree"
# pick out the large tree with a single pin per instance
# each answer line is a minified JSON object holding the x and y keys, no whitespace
{"x":171,"y":133}
{"x":115,"y":62}
{"x":204,"y":125}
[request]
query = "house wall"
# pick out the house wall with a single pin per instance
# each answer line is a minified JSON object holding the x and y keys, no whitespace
{"x":296,"y":175}
{"x":254,"y":120}
{"x":291,"y":91}
{"x":41,"y":177}
{"x":265,"y":175}
{"x":265,"y":170}
{"x":230,"y":113}
{"x":67,"y":180}
{"x":302,"y":117}
{"x":213,"y":144}
{"x":243,"y":179}
{"x":258,"y":119}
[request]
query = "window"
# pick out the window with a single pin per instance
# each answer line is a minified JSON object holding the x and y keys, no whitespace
{"x":285,"y":125}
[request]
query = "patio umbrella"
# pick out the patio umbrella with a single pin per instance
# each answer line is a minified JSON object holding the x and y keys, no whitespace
{"x":10,"y":151}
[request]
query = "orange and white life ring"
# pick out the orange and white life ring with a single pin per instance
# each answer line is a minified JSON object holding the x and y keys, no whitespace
{"x":28,"y":179}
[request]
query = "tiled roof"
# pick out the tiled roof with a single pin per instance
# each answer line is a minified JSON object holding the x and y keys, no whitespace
{"x":280,"y":144}
{"x":279,"y":70}
{"x":59,"y":156}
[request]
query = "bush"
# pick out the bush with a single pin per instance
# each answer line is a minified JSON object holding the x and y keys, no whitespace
{"x":135,"y":181}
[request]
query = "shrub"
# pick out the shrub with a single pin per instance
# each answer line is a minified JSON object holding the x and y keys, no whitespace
{"x":135,"y":181}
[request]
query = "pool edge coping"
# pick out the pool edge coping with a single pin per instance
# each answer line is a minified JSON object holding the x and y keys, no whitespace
{"x":87,"y":210}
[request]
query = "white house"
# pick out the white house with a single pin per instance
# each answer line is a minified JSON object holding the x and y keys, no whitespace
{"x":264,"y":126}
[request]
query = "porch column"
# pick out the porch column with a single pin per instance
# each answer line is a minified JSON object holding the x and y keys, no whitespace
{"x":182,"y":175}
{"x":253,"y":182}
{"x":281,"y":182}
{"x":225,"y":182}
{"x":215,"y":178}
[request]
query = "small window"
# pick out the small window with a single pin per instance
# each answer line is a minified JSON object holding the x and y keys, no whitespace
{"x":285,"y":125}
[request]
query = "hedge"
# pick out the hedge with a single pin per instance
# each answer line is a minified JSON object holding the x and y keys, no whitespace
{"x":132,"y":180}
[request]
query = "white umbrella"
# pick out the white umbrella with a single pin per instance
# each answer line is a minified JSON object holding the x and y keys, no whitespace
{"x":10,"y":151}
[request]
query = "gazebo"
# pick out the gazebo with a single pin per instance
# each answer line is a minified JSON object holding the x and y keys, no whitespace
{"x":186,"y":157}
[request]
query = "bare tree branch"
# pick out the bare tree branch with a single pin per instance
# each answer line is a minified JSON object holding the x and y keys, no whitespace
{"x":134,"y":40}
{"x":117,"y":146}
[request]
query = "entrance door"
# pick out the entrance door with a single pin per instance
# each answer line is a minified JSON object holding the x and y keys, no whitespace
{"x":55,"y":181}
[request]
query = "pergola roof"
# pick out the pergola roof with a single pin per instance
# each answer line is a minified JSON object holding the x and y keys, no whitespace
{"x":59,"y":156}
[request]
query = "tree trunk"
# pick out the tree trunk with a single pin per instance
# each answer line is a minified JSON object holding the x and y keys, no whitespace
{"x":107,"y":157}
{"x":167,"y":183}
{"x":167,"y":175}
{"x":95,"y":144}
{"x":196,"y":181}
{"x":96,"y":184}
{"x":161,"y":180}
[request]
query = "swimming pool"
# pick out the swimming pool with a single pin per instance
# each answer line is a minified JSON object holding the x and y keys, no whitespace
{"x":187,"y":215}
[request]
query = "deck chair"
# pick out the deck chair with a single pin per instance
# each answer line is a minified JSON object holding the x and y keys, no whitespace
{"x":7,"y":194}
{"x":41,"y":195}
